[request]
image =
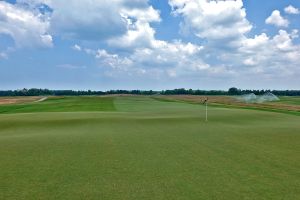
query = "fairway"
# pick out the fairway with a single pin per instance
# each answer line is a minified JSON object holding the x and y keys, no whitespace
{"x":141,"y":147}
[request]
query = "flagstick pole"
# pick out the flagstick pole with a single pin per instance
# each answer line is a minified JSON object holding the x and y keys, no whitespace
{"x":206,"y":112}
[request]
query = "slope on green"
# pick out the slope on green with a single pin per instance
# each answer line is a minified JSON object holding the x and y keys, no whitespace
{"x":150,"y":149}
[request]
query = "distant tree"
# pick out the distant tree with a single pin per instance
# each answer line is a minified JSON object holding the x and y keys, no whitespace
{"x":234,"y":91}
{"x":180,"y":91}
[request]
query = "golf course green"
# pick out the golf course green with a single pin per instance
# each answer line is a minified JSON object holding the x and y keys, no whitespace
{"x":141,"y":147}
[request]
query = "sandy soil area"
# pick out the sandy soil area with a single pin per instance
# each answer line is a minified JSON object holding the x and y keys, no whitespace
{"x":17,"y":100}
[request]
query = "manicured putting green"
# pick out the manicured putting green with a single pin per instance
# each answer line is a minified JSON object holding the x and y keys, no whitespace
{"x":141,"y":148}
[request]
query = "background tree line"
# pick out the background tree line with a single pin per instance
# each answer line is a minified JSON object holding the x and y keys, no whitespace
{"x":181,"y":91}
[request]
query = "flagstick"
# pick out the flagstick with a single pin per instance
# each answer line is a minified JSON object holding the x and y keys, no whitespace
{"x":206,"y":112}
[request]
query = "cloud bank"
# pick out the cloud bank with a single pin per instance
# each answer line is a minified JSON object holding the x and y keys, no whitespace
{"x":128,"y":45}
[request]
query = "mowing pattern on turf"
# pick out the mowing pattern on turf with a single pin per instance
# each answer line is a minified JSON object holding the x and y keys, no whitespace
{"x":62,"y":104}
{"x":148,"y":149}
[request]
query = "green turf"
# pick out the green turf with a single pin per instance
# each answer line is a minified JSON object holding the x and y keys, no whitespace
{"x":62,"y":104}
{"x":289,"y":100}
{"x":148,"y":149}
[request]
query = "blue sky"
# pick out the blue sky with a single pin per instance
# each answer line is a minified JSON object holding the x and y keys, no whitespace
{"x":149,"y":44}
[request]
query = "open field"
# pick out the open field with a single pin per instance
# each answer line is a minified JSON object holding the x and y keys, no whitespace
{"x":147,"y":148}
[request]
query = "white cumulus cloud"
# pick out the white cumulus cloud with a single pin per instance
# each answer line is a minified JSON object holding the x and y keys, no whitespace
{"x":176,"y":57}
{"x":27,"y":28}
{"x":283,"y":41}
{"x":87,"y":20}
{"x":139,"y":33}
{"x":76,"y":47}
{"x":277,"y":20}
{"x":94,"y":19}
{"x":291,"y":10}
{"x":124,"y":39}
{"x":213,"y":20}
{"x":146,"y":55}
{"x":277,"y":55}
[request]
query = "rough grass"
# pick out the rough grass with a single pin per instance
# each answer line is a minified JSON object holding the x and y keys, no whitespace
{"x":289,"y":105}
{"x":289,"y":100}
{"x":149,"y":149}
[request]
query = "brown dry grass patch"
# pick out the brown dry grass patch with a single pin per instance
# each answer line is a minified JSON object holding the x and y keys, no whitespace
{"x":17,"y":100}
{"x":231,"y":101}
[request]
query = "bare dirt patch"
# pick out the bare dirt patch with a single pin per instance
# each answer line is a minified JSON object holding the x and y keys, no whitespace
{"x":17,"y":100}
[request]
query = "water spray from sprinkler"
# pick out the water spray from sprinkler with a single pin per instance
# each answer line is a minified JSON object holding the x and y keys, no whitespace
{"x":252,"y":98}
